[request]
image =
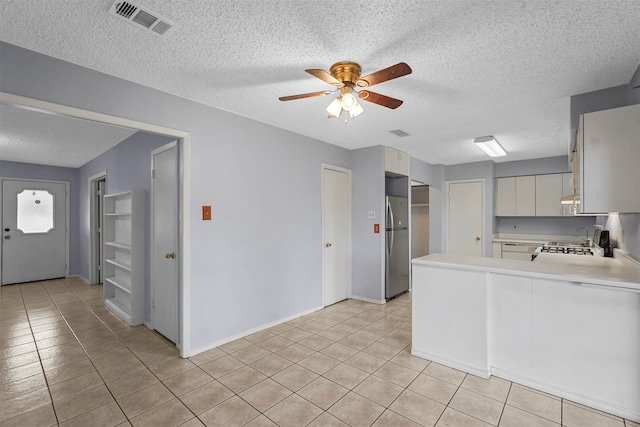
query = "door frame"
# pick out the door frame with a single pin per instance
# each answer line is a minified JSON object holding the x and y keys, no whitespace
{"x":67,"y":185}
{"x":324,"y":168}
{"x":93,"y":232}
{"x":159,"y":150}
{"x":184,"y":186}
{"x":482,"y":211}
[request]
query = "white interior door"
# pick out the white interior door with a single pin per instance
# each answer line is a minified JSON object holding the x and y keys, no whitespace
{"x":165,"y":265}
{"x":34,"y":225}
{"x":465,"y":218}
{"x":337,"y":234}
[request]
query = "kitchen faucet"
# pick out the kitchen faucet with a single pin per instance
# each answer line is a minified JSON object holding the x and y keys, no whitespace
{"x":586,"y":230}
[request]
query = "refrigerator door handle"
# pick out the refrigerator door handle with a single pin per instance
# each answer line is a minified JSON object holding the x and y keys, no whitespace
{"x":391,"y":242}
{"x":391,"y":224}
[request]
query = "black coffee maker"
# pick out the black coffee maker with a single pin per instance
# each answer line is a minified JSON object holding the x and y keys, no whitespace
{"x":601,"y":239}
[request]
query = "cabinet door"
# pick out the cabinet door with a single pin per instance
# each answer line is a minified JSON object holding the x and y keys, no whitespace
{"x":526,"y":195}
{"x":548,"y":195}
{"x":391,"y":160}
{"x":506,"y":196}
{"x":611,"y":154}
{"x":404,"y":162}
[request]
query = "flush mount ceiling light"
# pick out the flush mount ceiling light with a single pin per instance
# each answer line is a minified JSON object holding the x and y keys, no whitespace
{"x":489,"y":145}
{"x":346,"y":77}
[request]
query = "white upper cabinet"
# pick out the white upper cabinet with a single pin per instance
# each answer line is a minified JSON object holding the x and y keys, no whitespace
{"x":516,"y":196}
{"x":548,"y":194}
{"x":396,"y":162}
{"x":567,"y":190}
{"x":608,"y":161}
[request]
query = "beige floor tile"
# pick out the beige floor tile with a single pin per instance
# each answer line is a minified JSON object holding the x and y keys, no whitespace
{"x":407,"y":360}
{"x":278,"y":329}
{"x":51,"y":342}
{"x":250,"y":353}
{"x":339,"y":351}
{"x":260,"y":421}
{"x":83,"y":402}
{"x":105,"y":415}
{"x":25,"y":385}
{"x":222,"y":366}
{"x":171,"y":368}
{"x":378,"y":390}
{"x":275,"y":343}
{"x":121,"y":369}
{"x":17,"y":350}
{"x":65,"y":359}
{"x":356,"y":410}
{"x":417,"y":408}
{"x":16,"y":340}
{"x":20,"y":372}
{"x":76,"y":385}
{"x":445,"y":373}
{"x":381,"y":350}
{"x":294,"y":352}
{"x":433,"y":388}
{"x":42,"y":416}
{"x":294,"y":377}
{"x":334,"y":334}
{"x":67,"y":372}
{"x":144,"y":400}
{"x":356,"y":341}
{"x":396,"y":374}
{"x":132,"y":383}
{"x":322,"y":392}
{"x":103,"y":360}
{"x":171,"y":413}
{"x":578,"y":416}
{"x":316,"y":342}
{"x":514,"y":417}
{"x":236,"y":345}
{"x":293,"y":411}
{"x":24,"y":403}
{"x":206,"y":396}
{"x":478,"y":406}
{"x":59,"y":349}
{"x":346,"y":375}
{"x":155,"y":357}
{"x":187,"y":381}
{"x":193,"y":422}
{"x":271,"y":364}
{"x":536,"y":403}
{"x":327,"y":420}
{"x":265,"y":394}
{"x":318,"y":363}
{"x":295,"y":334}
{"x":241,"y":379}
{"x":230,"y":413}
{"x":365,"y":362}
{"x":259,"y":336}
{"x":452,"y":418}
{"x":390,"y":418}
{"x":494,"y":387}
{"x":207,"y":356}
{"x":396,"y":340}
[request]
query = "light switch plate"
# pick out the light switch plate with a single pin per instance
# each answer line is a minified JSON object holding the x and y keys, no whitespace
{"x":372,"y":215}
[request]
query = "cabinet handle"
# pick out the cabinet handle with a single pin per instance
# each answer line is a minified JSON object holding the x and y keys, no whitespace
{"x":172,"y":255}
{"x":477,"y":238}
{"x":328,"y":245}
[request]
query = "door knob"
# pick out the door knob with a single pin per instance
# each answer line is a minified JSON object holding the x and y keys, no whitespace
{"x":7,"y":237}
{"x":172,"y":255}
{"x":7,"y":229}
{"x":478,"y":238}
{"x":328,"y":245}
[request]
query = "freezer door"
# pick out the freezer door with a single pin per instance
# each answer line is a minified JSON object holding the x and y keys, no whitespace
{"x":397,"y":262}
{"x":397,"y":212}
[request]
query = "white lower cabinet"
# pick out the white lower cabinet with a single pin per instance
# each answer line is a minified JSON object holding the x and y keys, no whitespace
{"x":123,"y":283}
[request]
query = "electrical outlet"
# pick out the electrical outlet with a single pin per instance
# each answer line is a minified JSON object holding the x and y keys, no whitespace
{"x":372,"y":215}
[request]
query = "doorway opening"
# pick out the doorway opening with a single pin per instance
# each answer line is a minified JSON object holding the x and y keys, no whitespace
{"x":97,"y":190}
{"x":419,"y":220}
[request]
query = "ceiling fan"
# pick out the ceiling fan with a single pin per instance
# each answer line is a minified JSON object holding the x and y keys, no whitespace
{"x":345,"y":76}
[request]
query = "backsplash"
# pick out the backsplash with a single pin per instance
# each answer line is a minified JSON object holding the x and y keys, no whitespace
{"x":565,"y":226}
{"x":624,"y":231}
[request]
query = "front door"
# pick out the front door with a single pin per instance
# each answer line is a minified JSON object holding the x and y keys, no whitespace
{"x":337,"y":234}
{"x":465,"y":218}
{"x":165,"y":241}
{"x":34,"y":230}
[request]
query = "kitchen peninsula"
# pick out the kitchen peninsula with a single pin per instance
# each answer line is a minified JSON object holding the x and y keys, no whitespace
{"x":570,"y":327}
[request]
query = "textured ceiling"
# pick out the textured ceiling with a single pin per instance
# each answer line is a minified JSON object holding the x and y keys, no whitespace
{"x":505,"y":68}
{"x":47,"y":139}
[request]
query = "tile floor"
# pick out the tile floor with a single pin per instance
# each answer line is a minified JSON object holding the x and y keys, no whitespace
{"x":66,"y":360}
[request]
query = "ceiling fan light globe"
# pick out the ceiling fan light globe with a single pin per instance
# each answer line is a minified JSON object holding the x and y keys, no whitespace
{"x":356,"y":111}
{"x":335,"y":108}
{"x":349,"y":101}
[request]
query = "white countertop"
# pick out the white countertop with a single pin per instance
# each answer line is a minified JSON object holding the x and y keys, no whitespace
{"x":619,"y":272}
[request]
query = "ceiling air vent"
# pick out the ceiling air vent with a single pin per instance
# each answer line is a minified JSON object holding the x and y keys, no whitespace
{"x":399,"y":133}
{"x":144,"y":19}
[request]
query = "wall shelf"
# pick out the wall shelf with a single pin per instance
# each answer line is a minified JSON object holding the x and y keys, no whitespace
{"x":123,"y":287}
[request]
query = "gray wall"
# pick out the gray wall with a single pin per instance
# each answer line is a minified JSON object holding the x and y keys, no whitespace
{"x":259,"y":259}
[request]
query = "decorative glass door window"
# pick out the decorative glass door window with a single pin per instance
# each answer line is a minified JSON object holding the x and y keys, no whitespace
{"x":35,"y":211}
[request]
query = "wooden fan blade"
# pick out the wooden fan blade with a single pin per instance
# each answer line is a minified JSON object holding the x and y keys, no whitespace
{"x":305,"y":95}
{"x":389,"y":73}
{"x":376,"y":98}
{"x":325,"y":77}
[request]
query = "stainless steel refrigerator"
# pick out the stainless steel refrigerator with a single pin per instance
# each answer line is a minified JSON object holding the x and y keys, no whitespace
{"x":397,"y":246}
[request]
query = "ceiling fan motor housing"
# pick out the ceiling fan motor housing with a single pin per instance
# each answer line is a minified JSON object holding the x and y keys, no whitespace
{"x":347,"y":72}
